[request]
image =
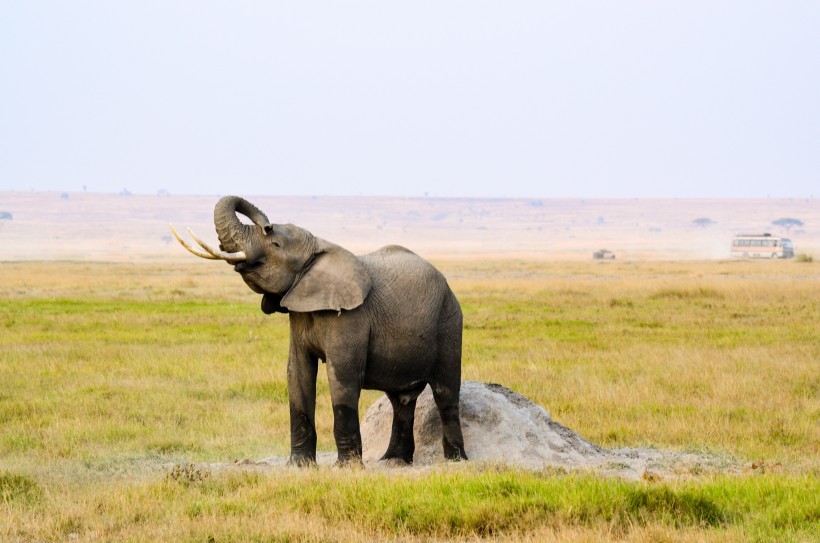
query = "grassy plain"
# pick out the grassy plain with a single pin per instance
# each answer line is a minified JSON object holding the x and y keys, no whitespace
{"x":112,"y":374}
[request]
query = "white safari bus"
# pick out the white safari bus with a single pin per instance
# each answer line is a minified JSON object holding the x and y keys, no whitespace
{"x":762,"y":246}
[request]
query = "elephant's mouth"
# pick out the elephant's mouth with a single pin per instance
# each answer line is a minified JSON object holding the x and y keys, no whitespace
{"x":254,"y":261}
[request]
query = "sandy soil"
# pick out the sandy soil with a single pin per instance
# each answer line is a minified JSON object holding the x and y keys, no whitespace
{"x":111,"y":227}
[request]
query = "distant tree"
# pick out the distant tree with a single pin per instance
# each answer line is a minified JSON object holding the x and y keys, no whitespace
{"x":4,"y":216}
{"x":787,"y":223}
{"x":163,"y":192}
{"x":167,"y":239}
{"x":65,"y":196}
{"x":703,"y":222}
{"x":125,"y":192}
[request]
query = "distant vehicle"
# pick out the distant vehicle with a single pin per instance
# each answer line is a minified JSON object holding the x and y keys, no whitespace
{"x":603,"y":254}
{"x":762,"y":246}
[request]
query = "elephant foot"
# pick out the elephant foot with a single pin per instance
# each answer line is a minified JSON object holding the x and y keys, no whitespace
{"x":396,"y":457}
{"x":302,"y":461}
{"x":394,"y":462}
{"x":454,"y":453}
{"x":352,"y":461}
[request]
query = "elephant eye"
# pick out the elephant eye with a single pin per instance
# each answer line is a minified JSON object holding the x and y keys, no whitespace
{"x":276,"y":244}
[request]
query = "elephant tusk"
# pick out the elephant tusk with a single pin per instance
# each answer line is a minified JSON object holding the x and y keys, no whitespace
{"x":238,"y":256}
{"x":190,"y":249}
{"x":211,"y":254}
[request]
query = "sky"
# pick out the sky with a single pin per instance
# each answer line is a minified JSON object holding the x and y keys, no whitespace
{"x":473,"y":98}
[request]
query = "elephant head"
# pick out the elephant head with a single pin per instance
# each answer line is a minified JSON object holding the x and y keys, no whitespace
{"x":292,"y":269}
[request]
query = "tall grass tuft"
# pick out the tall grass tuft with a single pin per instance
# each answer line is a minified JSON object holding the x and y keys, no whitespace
{"x":16,"y":489}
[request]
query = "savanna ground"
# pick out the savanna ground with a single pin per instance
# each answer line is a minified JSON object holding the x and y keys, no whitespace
{"x":123,"y":384}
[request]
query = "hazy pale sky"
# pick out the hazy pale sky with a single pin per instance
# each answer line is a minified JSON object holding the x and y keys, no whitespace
{"x":451,"y":98}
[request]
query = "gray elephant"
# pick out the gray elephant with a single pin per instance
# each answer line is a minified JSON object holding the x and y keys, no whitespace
{"x":383,"y":321}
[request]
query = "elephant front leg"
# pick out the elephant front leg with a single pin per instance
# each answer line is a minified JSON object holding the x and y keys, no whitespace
{"x":302,"y":369}
{"x":344,"y":394}
{"x":348,"y":434}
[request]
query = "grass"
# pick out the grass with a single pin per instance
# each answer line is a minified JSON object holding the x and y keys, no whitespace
{"x":123,"y":382}
{"x":448,"y":503}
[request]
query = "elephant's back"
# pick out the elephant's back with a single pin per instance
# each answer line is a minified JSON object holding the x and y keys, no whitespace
{"x":398,"y":266}
{"x":402,"y":278}
{"x":393,"y":252}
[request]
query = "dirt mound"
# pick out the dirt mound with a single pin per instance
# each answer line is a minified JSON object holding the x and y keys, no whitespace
{"x":503,"y":427}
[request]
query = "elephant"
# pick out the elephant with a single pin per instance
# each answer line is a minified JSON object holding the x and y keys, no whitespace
{"x":384,"y":321}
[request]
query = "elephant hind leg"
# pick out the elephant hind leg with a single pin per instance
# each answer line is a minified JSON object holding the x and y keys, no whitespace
{"x":402,"y":444}
{"x":447,"y":398}
{"x":446,"y":382}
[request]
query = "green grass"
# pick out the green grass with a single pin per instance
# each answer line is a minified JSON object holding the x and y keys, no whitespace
{"x":447,"y":503}
{"x":113,"y":374}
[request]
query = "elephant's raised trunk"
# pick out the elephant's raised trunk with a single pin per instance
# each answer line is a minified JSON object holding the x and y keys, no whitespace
{"x":236,"y":239}
{"x":233,"y":234}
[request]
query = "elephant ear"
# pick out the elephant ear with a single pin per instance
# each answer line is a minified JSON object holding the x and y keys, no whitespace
{"x":335,"y":280}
